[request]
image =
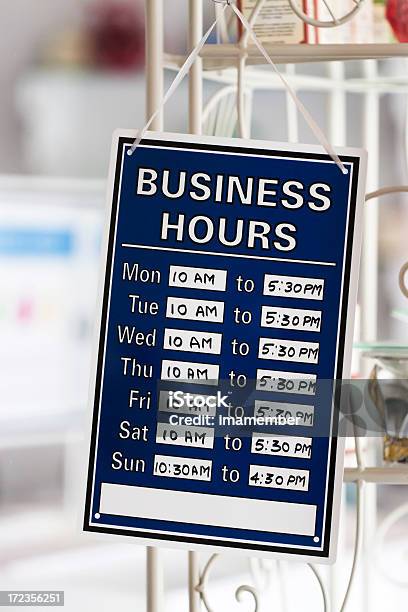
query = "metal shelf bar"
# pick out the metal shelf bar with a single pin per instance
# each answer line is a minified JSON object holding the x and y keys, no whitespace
{"x":154,"y":580}
{"x":154,"y":60}
{"x":259,"y":79}
{"x":226,"y":54}
{"x":393,"y":475}
{"x":195,"y":106}
{"x":195,"y":79}
{"x":154,"y":95}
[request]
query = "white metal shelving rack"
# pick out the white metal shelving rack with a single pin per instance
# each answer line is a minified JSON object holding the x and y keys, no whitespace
{"x":219,"y":62}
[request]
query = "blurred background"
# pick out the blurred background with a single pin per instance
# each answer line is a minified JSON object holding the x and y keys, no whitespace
{"x":71,"y":73}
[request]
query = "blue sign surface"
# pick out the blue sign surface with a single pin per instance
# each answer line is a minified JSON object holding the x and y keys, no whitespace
{"x":229,"y":295}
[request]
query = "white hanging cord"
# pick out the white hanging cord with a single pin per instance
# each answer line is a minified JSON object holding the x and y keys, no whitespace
{"x":180,"y":76}
{"x":309,"y":119}
{"x":195,"y":53}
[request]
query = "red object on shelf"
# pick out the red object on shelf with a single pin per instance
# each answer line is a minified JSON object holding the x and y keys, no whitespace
{"x":116,"y":32}
{"x":397,"y":15}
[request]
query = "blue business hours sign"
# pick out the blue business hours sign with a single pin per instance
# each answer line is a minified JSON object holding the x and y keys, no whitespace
{"x":229,"y":293}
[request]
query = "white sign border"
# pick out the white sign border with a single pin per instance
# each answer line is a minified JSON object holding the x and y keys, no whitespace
{"x":98,"y":529}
